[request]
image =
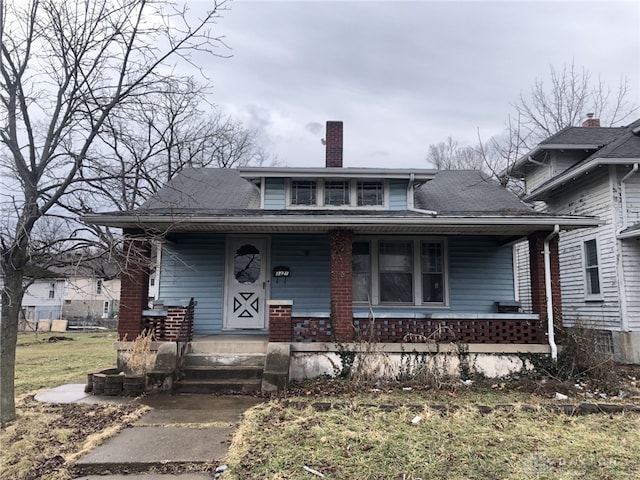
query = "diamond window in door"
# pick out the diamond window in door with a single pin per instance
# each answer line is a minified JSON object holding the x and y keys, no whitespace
{"x":246,"y":305}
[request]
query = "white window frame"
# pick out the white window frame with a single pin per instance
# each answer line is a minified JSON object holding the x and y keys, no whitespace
{"x":587,"y":295}
{"x":417,"y":271}
{"x":353,"y":194}
{"x":99,"y":286}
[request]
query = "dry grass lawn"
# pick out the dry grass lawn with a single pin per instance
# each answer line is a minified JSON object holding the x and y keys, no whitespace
{"x":372,"y":437}
{"x":45,"y":439}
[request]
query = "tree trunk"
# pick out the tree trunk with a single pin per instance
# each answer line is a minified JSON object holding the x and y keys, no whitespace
{"x":12,"y":293}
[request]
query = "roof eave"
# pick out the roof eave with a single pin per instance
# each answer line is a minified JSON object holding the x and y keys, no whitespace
{"x":572,"y":174}
{"x":378,"y":173}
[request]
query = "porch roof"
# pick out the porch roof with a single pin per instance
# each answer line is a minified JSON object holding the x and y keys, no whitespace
{"x":322,"y":221}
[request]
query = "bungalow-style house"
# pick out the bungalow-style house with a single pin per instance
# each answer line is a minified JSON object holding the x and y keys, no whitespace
{"x":593,"y":170}
{"x":305,"y":257}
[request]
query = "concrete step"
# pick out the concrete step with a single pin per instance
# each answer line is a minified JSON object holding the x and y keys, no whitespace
{"x":218,"y":386}
{"x":236,"y":346}
{"x":234,"y":372}
{"x":220,"y":360}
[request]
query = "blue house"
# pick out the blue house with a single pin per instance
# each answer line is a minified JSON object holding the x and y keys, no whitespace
{"x":317,"y":255}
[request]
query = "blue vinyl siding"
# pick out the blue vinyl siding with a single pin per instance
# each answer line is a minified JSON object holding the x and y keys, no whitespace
{"x":398,"y":194}
{"x":274,"y":193}
{"x":309,"y":283}
{"x":480,"y":273}
{"x":193,"y":266}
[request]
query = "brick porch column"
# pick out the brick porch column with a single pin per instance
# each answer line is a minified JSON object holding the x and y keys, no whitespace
{"x":341,"y":285}
{"x":536,"y":266}
{"x":280,"y":325}
{"x":134,"y":284}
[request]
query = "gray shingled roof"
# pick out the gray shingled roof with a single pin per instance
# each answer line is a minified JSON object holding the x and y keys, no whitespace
{"x":205,"y":188}
{"x":584,"y":136}
{"x":454,"y":192}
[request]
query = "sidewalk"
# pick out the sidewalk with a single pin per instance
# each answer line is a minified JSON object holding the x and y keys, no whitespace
{"x":180,"y":431}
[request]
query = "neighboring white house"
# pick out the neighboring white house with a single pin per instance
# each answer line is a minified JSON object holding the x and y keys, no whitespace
{"x":88,"y":298}
{"x":592,"y":171}
{"x":43,"y":301}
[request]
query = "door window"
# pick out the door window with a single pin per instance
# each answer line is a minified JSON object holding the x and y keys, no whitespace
{"x":247,"y":264}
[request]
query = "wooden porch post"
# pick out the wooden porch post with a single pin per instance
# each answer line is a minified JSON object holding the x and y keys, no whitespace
{"x":341,"y":285}
{"x":536,"y":266}
{"x":134,"y":284}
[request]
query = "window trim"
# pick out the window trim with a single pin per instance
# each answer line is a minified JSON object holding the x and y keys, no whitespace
{"x":417,"y":242}
{"x":591,"y":297}
{"x":353,"y":194}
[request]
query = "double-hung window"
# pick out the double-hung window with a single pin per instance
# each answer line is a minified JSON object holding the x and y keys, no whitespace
{"x":592,"y":269}
{"x":399,"y":272}
{"x":370,"y":193}
{"x":337,"y":193}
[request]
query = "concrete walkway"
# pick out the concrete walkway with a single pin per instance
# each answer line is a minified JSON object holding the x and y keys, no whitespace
{"x":179,"y":431}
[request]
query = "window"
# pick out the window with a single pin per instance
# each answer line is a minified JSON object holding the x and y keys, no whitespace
{"x":432,"y":272}
{"x":52,"y":290}
{"x":105,"y":310}
{"x":395,"y":261}
{"x":370,"y":193}
{"x":303,"y":192}
{"x":361,"y":272}
{"x":399,"y":272}
{"x":336,"y":193}
{"x":99,"y":286}
{"x":592,"y":271}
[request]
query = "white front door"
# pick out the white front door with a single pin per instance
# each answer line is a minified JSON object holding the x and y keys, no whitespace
{"x":246,"y":283}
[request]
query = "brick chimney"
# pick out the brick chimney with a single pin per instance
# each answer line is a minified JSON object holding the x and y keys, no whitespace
{"x":333,"y":144}
{"x":590,"y":121}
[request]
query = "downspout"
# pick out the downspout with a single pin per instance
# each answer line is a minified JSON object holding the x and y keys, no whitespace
{"x":623,"y":194}
{"x":547,"y":285}
{"x":410,"y":199}
{"x":621,"y":283}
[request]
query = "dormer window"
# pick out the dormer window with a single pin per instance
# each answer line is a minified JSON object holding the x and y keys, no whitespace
{"x":303,"y":192}
{"x":370,"y":193}
{"x":335,"y":193}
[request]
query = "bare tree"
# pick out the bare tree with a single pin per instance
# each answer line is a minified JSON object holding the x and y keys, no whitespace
{"x":565,"y":99}
{"x":449,"y":155}
{"x":549,"y":106}
{"x":65,"y":69}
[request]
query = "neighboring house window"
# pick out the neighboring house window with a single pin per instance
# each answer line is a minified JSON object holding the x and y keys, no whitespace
{"x":67,"y":302}
{"x":105,"y":310}
{"x":361,"y":271}
{"x":370,"y":193}
{"x":152,"y":281}
{"x":303,"y":192}
{"x":410,"y":271}
{"x":336,"y":193}
{"x":592,"y":270}
{"x":52,"y":290}
{"x":99,"y":286}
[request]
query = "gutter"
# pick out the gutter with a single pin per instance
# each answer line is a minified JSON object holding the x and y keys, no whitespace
{"x":548,"y":291}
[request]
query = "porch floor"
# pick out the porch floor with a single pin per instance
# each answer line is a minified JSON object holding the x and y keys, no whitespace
{"x":224,"y":338}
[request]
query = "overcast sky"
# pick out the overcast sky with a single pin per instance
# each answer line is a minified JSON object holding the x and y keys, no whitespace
{"x":403,"y":75}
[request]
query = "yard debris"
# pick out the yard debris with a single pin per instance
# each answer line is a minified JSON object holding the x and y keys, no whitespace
{"x":312,"y":471}
{"x":406,"y":389}
{"x":622,"y":394}
{"x":467,"y":382}
{"x":561,"y":396}
{"x":417,"y":419}
{"x":603,"y":395}
{"x":219,"y":471}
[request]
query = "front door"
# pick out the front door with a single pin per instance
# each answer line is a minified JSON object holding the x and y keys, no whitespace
{"x":246,"y":283}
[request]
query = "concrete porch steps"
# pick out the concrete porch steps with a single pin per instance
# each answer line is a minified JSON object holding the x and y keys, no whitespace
{"x":229,"y":363}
